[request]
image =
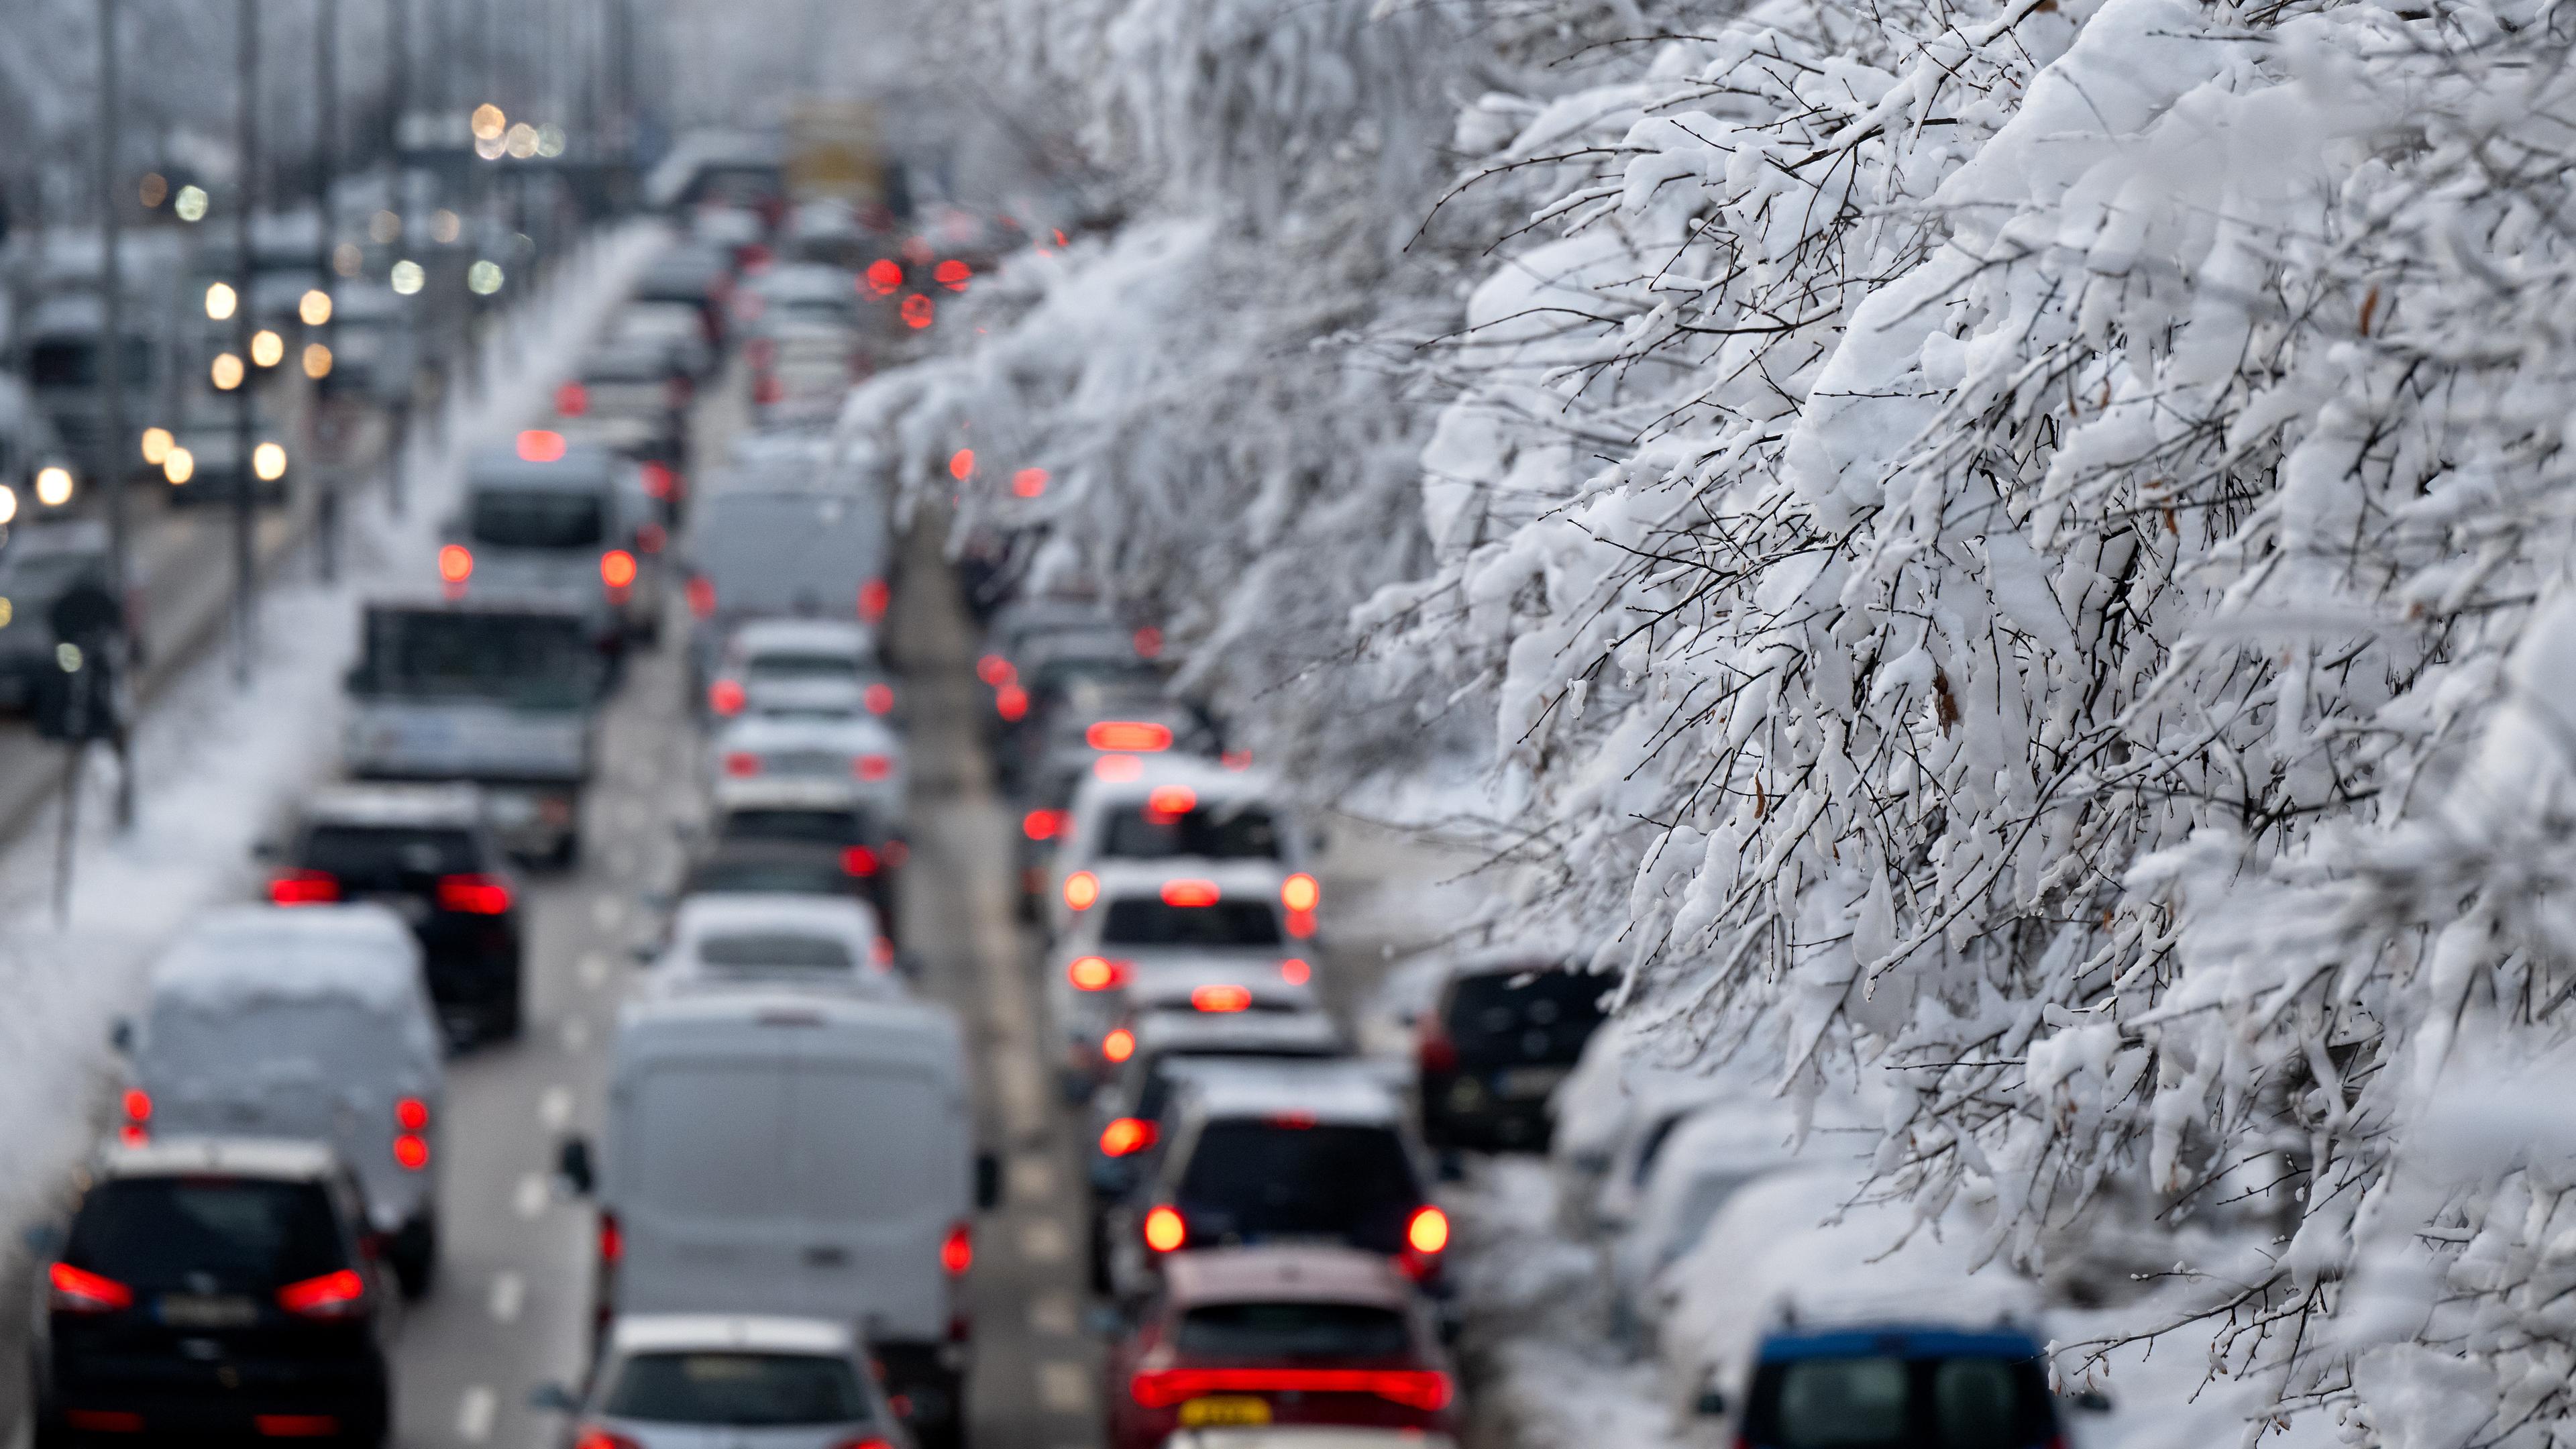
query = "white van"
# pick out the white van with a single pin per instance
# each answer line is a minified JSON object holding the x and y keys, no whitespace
{"x":854,"y":1201}
{"x":308,"y":1023}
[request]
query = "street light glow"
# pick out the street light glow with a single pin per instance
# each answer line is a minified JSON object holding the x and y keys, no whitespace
{"x":157,"y":443}
{"x":489,"y":123}
{"x":521,"y":141}
{"x":317,"y":361}
{"x":154,"y":190}
{"x":268,"y":462}
{"x":347,"y":260}
{"x":8,"y":511}
{"x":384,"y":227}
{"x":54,"y":485}
{"x":267,"y":348}
{"x":445,"y":226}
{"x":180,"y":466}
{"x":314,"y":307}
{"x":550,"y":140}
{"x":483,"y":278}
{"x":221,"y":301}
{"x":226,"y":373}
{"x":191,"y":204}
{"x":406,"y":278}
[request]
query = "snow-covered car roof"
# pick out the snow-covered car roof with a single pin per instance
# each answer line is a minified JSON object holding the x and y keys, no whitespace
{"x":1299,"y":1273}
{"x":457,"y":805}
{"x":809,"y":941}
{"x":286,"y":1159}
{"x":786,"y":792}
{"x":233,"y":955}
{"x":803,"y":636}
{"x":1163,"y":1030}
{"x":759,"y":1333}
{"x":1342,"y":1092}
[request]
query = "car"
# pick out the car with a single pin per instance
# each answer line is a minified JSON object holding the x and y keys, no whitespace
{"x":674,"y":328}
{"x":1256,"y":1152}
{"x":213,"y":1288}
{"x":807,"y":942}
{"x":41,"y":563}
{"x":1614,"y":1114}
{"x":301,"y":1024}
{"x":678,"y":1380}
{"x":801,"y":667}
{"x":781,"y":537}
{"x":853,"y":1200}
{"x":1175,"y":808}
{"x":822,"y":818}
{"x":809,"y":292}
{"x":1145,"y":934}
{"x":1252,"y":1337}
{"x":802,"y":365}
{"x":1895,"y":1385}
{"x":428,"y":854}
{"x":207,"y":436}
{"x":1503,"y":1032}
{"x":763,"y":867}
{"x":1704,"y":1161}
{"x":854,"y":754}
{"x":1307,"y":1436}
{"x":552,"y":519}
{"x":694,"y":274}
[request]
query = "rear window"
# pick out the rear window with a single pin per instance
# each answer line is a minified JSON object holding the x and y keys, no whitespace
{"x":787,"y":553}
{"x":1890,"y":1402}
{"x":793,"y":877}
{"x":387,"y":858}
{"x":1542,"y":1014}
{"x":1273,"y":1331}
{"x":540,"y":661}
{"x":537,"y":518}
{"x":803,"y":827}
{"x":246,"y":1233}
{"x":1146,"y":921}
{"x":739,"y":1389}
{"x":803,"y":666}
{"x":776,"y":949}
{"x":1256,"y":1179}
{"x":1247,"y":833}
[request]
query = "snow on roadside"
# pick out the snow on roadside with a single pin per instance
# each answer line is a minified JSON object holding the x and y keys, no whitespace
{"x":216,"y":764}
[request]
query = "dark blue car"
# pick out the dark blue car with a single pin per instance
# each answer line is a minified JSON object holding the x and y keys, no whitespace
{"x":1899,"y":1386}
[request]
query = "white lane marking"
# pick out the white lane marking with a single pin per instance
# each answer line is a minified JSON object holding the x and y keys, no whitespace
{"x":474,"y":1414}
{"x":1032,"y":1180}
{"x":1023,"y":1090}
{"x":607,"y":911}
{"x":509,"y":1292}
{"x":1043,"y":1240}
{"x":554,"y":1108}
{"x":530,"y":1200}
{"x":1063,"y":1387}
{"x":594,"y":969}
{"x":1051,"y":1313}
{"x":576,"y":1034}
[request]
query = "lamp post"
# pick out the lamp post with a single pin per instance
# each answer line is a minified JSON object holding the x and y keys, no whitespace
{"x":113,"y":463}
{"x":244,"y":323}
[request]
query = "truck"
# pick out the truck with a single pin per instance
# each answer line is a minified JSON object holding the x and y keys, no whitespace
{"x":494,"y":690}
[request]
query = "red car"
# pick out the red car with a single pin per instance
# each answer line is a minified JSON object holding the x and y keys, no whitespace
{"x":1243,"y":1337}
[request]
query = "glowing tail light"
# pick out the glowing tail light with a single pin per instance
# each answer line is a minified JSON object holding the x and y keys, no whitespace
{"x":594,"y":1437}
{"x":875,"y":597}
{"x":918,"y":311}
{"x":295,"y":1426}
{"x":304,"y":888}
{"x":411,"y":1152}
{"x":1166,"y":803}
{"x":1118,"y":1046}
{"x":138,"y":1113}
{"x":338,"y":1294}
{"x":994,"y":670}
{"x":725,"y":697}
{"x":455,"y":563}
{"x":952,"y":274}
{"x":1296,"y":972}
{"x":702,"y":597}
{"x":885,"y":276}
{"x":1042,"y":824}
{"x":1096,"y":973}
{"x":659,"y":481}
{"x":873,"y":767}
{"x":1011,"y":702}
{"x":411,"y":1114}
{"x":1080,"y":889}
{"x":1301,"y":924}
{"x":1123,"y":734}
{"x":1221,"y":999}
{"x":957,"y":1250}
{"x":858,"y":860}
{"x":1427,"y":1231}
{"x":474,"y":895}
{"x":617,"y":568}
{"x":879,"y":698}
{"x":741,"y":764}
{"x":1165,"y":1229}
{"x":541,"y":445}
{"x":572,"y":400}
{"x":1127,"y":1136}
{"x":1424,"y":1389}
{"x":1299,"y":892}
{"x":1190,"y":891}
{"x":612,"y":1239}
{"x":78,"y":1290}
{"x":768,"y":389}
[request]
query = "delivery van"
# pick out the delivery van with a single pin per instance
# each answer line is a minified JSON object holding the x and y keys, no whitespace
{"x":853,"y":1201}
{"x":307,"y":1023}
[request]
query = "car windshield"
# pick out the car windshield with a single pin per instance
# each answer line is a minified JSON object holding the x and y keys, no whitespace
{"x":1244,"y":832}
{"x":795,"y":877}
{"x":389,"y":857}
{"x":803,"y":666}
{"x":1293,"y":1178}
{"x":536,"y":661}
{"x":1265,"y":1332}
{"x":806,"y":827}
{"x":1538,"y":1013}
{"x":1881,"y":1401}
{"x":1148,"y":921}
{"x":537,"y":518}
{"x":245,"y":1233}
{"x":747,"y":1390}
{"x":776,"y":949}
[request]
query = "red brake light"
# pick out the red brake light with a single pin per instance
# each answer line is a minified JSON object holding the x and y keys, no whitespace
{"x":78,"y":1290}
{"x":541,"y":445}
{"x":874,"y":597}
{"x":885,"y":274}
{"x":1221,"y":998}
{"x":879,"y":698}
{"x":1121,"y":734}
{"x":138,"y":1105}
{"x":957,"y":1250}
{"x":1299,"y":892}
{"x":873,"y":767}
{"x":474,"y":895}
{"x":411,"y":1114}
{"x":304,"y":888}
{"x":1080,"y":889}
{"x":1165,"y":1229}
{"x":961,"y":464}
{"x":1433,"y":1051}
{"x":1295,"y":972}
{"x":702,"y":597}
{"x":1029,"y":483}
{"x":612,"y":1240}
{"x":952,"y":274}
{"x":918,"y":311}
{"x":1427,"y":1231}
{"x":572,"y":399}
{"x":994,"y":670}
{"x":1425,"y":1389}
{"x":768,"y":389}
{"x":103,"y":1421}
{"x":858,"y":860}
{"x":1301,"y":924}
{"x":332,"y":1295}
{"x":295,"y":1426}
{"x":617,"y":568}
{"x":1190,"y":891}
{"x":1096,"y":973}
{"x":725,"y":696}
{"x":651,"y":538}
{"x":455,"y":563}
{"x":741,"y":764}
{"x":1148,"y":642}
{"x":1165,"y":803}
{"x":869,"y":1443}
{"x":1126,"y":1136}
{"x":1042,"y":824}
{"x":411,"y":1152}
{"x":594,"y":1437}
{"x":659,"y":480}
{"x":1119,"y":1045}
{"x":1011,"y":702}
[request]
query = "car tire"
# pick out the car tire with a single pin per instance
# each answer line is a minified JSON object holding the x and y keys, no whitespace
{"x":414,"y":1257}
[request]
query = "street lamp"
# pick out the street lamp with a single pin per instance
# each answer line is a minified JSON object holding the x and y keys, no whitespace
{"x":221,"y":299}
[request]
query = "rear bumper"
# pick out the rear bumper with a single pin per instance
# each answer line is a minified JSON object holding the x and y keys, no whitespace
{"x":294,"y":1398}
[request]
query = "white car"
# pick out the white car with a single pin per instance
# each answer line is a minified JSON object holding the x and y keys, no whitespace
{"x":800,"y":666}
{"x":1209,"y":936}
{"x":821,"y":942}
{"x":1177,"y":809}
{"x":857,"y":754}
{"x":687,"y":1380}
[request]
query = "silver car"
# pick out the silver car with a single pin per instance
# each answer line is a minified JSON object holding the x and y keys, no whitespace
{"x":729,"y":1381}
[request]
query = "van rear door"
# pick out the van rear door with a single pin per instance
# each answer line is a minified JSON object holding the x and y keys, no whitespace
{"x":702,"y":1192}
{"x":878,"y":1174}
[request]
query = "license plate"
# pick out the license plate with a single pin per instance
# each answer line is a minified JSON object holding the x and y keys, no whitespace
{"x":1228,"y":1409}
{"x":189,"y":1310}
{"x":1526,"y":1082}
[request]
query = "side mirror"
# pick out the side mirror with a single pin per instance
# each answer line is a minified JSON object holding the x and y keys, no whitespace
{"x":554,"y":1399}
{"x":1711,"y":1403}
{"x":988,"y":1181}
{"x":2092,"y":1401}
{"x":572,"y":1164}
{"x":120,"y":1035}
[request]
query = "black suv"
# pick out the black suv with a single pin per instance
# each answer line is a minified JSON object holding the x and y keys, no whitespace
{"x":426,"y":853}
{"x":213,"y":1288}
{"x":1503,"y":1033}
